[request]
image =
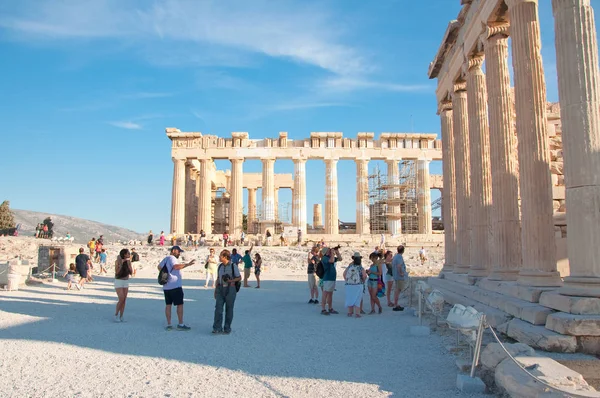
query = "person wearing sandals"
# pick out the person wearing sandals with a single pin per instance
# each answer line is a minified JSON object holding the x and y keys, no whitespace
{"x":374,"y":272}
{"x":211,"y":268}
{"x":257,"y":267}
{"x":388,"y":277}
{"x":123,"y":270}
{"x":354,"y":275}
{"x":330,"y":257}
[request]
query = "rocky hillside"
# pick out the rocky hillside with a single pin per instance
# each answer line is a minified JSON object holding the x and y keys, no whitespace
{"x":82,"y":230}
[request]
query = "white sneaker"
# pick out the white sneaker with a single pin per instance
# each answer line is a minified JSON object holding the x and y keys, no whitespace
{"x":117,"y":319}
{"x":122,"y":319}
{"x":78,"y":287}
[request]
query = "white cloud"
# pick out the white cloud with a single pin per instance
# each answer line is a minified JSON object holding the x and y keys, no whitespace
{"x":347,"y":83}
{"x":126,"y":125}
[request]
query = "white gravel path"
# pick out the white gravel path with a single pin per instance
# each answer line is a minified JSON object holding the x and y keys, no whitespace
{"x":57,"y":343}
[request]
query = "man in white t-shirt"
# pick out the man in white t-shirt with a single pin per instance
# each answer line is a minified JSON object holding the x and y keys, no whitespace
{"x":173,"y":289}
{"x":422,"y":255}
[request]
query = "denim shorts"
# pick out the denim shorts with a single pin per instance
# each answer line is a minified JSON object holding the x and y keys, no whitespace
{"x":372,"y":284}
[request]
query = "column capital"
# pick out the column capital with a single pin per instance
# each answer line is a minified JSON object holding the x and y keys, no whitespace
{"x":444,"y":106}
{"x":362,"y":159}
{"x":514,"y":3}
{"x":269,"y":159}
{"x":331,"y":160}
{"x":299,"y":159}
{"x":474,"y":63}
{"x":496,"y":31}
{"x":460,"y":87}
{"x":236,"y":159}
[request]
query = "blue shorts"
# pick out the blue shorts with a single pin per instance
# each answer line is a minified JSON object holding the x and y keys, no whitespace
{"x":372,"y":283}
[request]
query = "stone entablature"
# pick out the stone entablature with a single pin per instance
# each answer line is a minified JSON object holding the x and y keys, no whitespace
{"x":320,"y":145}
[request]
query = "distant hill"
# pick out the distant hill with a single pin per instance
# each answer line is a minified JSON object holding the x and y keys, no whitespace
{"x":82,"y":230}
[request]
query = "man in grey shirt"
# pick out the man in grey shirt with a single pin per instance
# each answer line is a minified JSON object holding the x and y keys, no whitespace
{"x":225,"y":292}
{"x":400,"y":276}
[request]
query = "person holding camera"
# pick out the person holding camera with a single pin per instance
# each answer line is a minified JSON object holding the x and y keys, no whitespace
{"x":330,"y":257}
{"x":173,"y":289}
{"x":228,"y":275}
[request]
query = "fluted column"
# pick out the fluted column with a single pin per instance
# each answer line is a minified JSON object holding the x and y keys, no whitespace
{"x":236,"y":204}
{"x":299,"y":193}
{"x":449,"y":192}
{"x":393,"y":209}
{"x":506,"y":223}
{"x":537,"y":226}
{"x":331,"y":197}
{"x":268,"y":194}
{"x":178,"y":197}
{"x":578,"y":85}
{"x":317,"y":216}
{"x":205,"y":197}
{"x":481,"y":179}
{"x":463,"y":173}
{"x":362,"y":197}
{"x":424,"y":196}
{"x":251,"y":207}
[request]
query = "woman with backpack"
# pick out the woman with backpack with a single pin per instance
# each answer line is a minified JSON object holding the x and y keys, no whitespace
{"x":355,"y":277}
{"x":123,"y":270}
{"x":374,"y":273}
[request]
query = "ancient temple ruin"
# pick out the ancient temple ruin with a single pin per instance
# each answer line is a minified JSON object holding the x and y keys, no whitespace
{"x":197,"y":204}
{"x":510,"y":215}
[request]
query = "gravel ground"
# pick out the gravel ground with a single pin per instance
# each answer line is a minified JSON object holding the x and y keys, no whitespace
{"x":64,"y":343}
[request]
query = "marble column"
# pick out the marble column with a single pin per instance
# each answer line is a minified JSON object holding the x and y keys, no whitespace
{"x":463,"y":181}
{"x":449,"y":192}
{"x":481,"y":179}
{"x":537,"y":225}
{"x":205,"y":197}
{"x":191,"y":198}
{"x":178,"y":197}
{"x":362,"y":197}
{"x":268,"y":195}
{"x":506,"y":222}
{"x":331,"y":197}
{"x":251,"y":208}
{"x":393,"y":208}
{"x":424,"y":197}
{"x":276,"y":206}
{"x":236,"y":203}
{"x":299,"y":194}
{"x":578,"y":87}
{"x":317,"y":216}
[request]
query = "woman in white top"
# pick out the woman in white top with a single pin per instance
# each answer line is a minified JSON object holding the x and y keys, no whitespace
{"x":211,"y":267}
{"x":355,"y":277}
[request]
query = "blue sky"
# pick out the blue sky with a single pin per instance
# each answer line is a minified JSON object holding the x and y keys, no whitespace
{"x":89,"y":87}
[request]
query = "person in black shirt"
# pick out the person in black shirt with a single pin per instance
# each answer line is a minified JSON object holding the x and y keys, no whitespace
{"x":313,"y":260}
{"x":82,"y":262}
{"x":135,"y":258}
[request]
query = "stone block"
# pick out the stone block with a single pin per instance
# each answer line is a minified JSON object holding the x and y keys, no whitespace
{"x":589,"y":345}
{"x":461,"y":278}
{"x":470,"y":385}
{"x":558,"y":192}
{"x":493,"y":353}
{"x":512,"y":289}
{"x":463,"y":365}
{"x":516,"y":383}
{"x":574,"y":325}
{"x":540,"y":337}
{"x":535,"y":314}
{"x":571,"y":304}
{"x":420,"y":330}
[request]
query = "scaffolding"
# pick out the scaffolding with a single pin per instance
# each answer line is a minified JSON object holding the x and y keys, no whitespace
{"x":390,"y":200}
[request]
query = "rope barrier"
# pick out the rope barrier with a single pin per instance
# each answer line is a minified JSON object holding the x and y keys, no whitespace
{"x":545,"y":384}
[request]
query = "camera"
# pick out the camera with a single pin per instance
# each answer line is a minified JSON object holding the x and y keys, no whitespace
{"x":336,"y":248}
{"x":226,"y":278}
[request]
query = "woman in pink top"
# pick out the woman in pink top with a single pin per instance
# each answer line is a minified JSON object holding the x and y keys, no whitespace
{"x":161,"y":240}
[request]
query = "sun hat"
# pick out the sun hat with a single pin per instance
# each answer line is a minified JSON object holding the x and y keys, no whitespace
{"x":356,"y":255}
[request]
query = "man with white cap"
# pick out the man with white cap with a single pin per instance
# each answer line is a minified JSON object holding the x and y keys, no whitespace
{"x":173,"y":289}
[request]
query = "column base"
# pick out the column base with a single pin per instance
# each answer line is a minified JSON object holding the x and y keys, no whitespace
{"x":447,"y":268}
{"x":539,"y":278}
{"x":477,"y":272}
{"x":581,"y":286}
{"x":461,"y":269}
{"x":499,"y":274}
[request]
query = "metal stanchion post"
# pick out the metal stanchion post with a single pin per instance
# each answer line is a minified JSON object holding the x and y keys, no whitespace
{"x":478,"y":340}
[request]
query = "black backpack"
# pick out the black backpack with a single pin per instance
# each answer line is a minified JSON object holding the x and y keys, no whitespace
{"x":163,"y":275}
{"x":320,"y":270}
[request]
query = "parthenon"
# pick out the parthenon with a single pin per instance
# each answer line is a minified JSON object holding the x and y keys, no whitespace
{"x":501,"y":176}
{"x":195,"y":175}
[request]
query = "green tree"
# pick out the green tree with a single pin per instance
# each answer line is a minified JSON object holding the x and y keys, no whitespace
{"x":7,"y":220}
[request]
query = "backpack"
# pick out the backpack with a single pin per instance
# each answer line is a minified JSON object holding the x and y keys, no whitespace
{"x":320,"y":270}
{"x":163,"y":275}
{"x":389,"y":269}
{"x":238,"y":284}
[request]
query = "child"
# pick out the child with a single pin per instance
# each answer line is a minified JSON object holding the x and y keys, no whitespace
{"x":69,"y":275}
{"x":103,"y":261}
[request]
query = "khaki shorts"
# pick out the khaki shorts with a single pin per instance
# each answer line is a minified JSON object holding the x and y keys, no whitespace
{"x":247,"y":272}
{"x":312,"y":281}
{"x":400,"y":285}
{"x":328,"y":286}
